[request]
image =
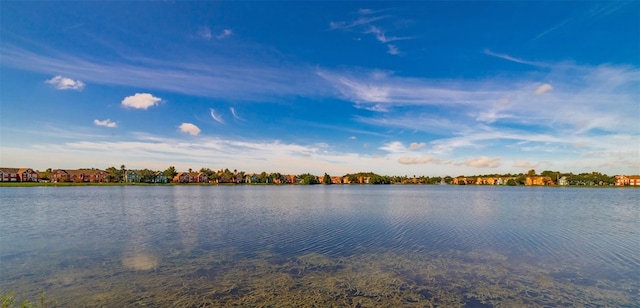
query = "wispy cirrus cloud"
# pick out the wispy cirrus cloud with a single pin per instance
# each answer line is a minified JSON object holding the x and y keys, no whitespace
{"x":543,"y":88}
{"x":382,"y":37}
{"x":235,"y":114}
{"x":525,"y":164}
{"x":105,"y":123}
{"x":481,"y":162}
{"x":345,"y":25}
{"x":224,"y":34}
{"x":417,"y":145}
{"x":417,"y":160}
{"x":205,"y":33}
{"x":393,"y":50}
{"x":212,"y":76}
{"x":365,"y":25}
{"x":217,"y":117}
{"x":140,"y":101}
{"x":64,"y":83}
{"x":496,"y":100}
{"x":513,"y":59}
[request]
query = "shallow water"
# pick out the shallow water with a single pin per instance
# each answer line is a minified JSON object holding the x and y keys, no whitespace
{"x":189,"y":246}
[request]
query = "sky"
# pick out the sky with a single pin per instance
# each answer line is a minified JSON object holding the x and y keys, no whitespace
{"x":427,"y":88}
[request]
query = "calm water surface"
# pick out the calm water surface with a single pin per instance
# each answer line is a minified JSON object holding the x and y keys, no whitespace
{"x":368,"y":246}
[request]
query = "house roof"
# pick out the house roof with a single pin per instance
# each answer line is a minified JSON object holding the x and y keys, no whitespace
{"x":84,"y":171}
{"x":9,"y":170}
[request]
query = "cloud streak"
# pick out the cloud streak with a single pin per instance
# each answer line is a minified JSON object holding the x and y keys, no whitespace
{"x":235,"y":114}
{"x":481,"y":162}
{"x":224,"y":34}
{"x":214,"y":76}
{"x":543,"y":88}
{"x":215,"y":116}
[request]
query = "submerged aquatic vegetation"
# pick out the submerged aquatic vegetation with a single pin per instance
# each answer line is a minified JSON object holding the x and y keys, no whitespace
{"x":200,"y":278}
{"x":8,"y":300}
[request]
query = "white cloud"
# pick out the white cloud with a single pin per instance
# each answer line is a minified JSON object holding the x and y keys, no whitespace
{"x":513,"y":59}
{"x":63,"y":83}
{"x":415,"y":145}
{"x":141,"y":101}
{"x":352,"y":138}
{"x":235,"y":115}
{"x":419,"y":160}
{"x":189,"y":129}
{"x":105,"y":123}
{"x":482,"y":162}
{"x":343,"y":25}
{"x":525,"y":164}
{"x":543,"y":88}
{"x":224,"y":34}
{"x":205,"y":33}
{"x":216,"y":117}
{"x":214,"y":75}
{"x":394,"y":147}
{"x":365,"y":11}
{"x":381,"y":36}
{"x":393,"y":50}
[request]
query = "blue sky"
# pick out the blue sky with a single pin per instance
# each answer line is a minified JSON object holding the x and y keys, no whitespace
{"x":398,"y":88}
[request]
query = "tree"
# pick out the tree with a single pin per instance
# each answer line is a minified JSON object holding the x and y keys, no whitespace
{"x":326,"y":180}
{"x":554,"y":175}
{"x":308,"y":179}
{"x":170,"y":173}
{"x":114,"y":175}
{"x":147,"y":176}
{"x":531,"y":172}
{"x":123,"y":168}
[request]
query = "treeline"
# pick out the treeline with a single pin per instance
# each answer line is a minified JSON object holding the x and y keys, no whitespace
{"x":237,"y":176}
{"x":587,"y":178}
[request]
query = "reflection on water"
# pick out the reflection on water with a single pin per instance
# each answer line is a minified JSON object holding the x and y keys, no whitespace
{"x":322,"y":246}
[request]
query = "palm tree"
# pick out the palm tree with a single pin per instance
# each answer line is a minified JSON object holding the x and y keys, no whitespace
{"x":122,"y":167}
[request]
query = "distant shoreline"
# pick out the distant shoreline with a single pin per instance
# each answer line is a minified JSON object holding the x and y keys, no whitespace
{"x":73,"y":184}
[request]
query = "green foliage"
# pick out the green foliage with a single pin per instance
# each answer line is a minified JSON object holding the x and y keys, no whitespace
{"x":114,"y":176}
{"x":326,"y":180}
{"x":170,"y":172}
{"x":147,"y":176}
{"x":308,"y":179}
{"x":8,"y":300}
{"x":511,"y":182}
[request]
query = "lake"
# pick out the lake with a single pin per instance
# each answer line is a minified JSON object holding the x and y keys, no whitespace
{"x":293,"y":246}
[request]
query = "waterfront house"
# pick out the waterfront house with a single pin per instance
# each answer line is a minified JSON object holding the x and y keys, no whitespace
{"x":160,"y":178}
{"x":463,"y":181}
{"x":131,"y":176}
{"x":18,"y":175}
{"x":627,"y":180}
{"x":251,"y":178}
{"x":87,"y":176}
{"x":198,"y":177}
{"x":8,"y":174}
{"x":59,"y":176}
{"x":181,"y":177}
{"x":563,"y":181}
{"x":539,"y":181}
